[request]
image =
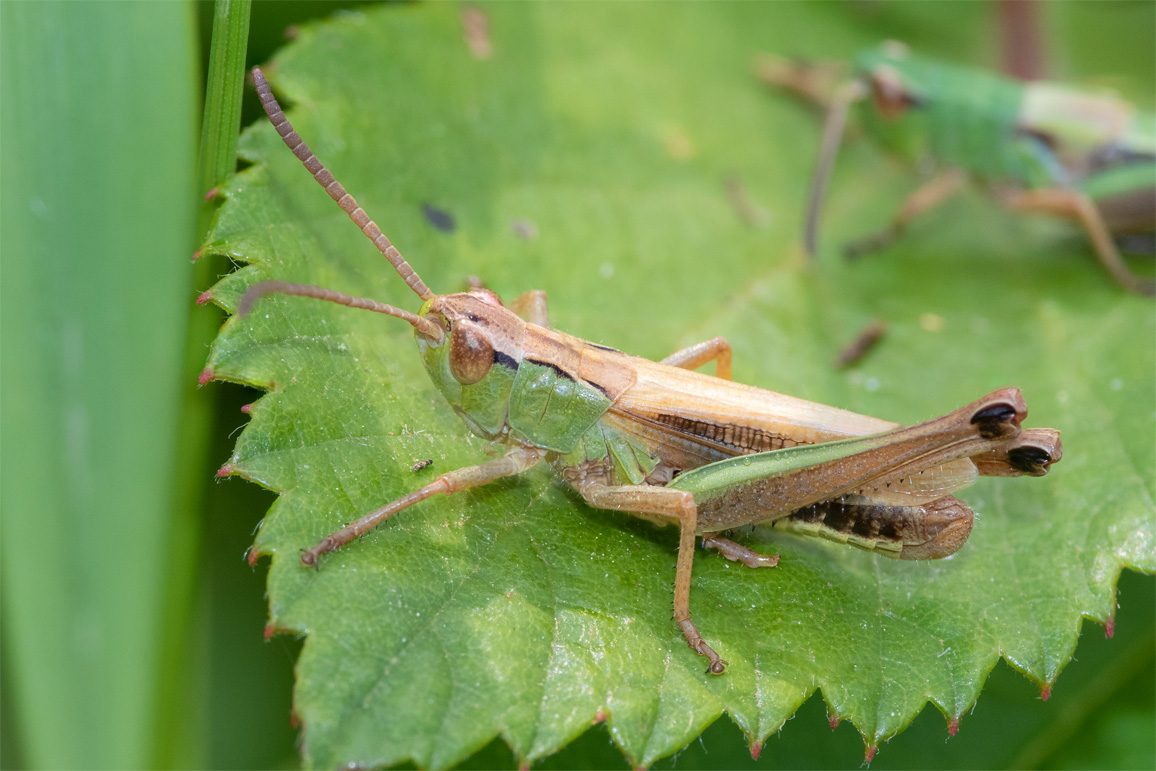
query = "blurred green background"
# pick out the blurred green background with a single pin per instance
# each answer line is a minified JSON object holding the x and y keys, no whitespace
{"x":131,"y":624}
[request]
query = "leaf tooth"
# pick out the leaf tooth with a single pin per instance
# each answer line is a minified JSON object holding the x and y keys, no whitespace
{"x":953,"y":726}
{"x":206,"y":375}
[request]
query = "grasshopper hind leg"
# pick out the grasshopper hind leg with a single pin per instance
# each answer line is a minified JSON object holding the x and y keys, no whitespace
{"x":661,"y":504}
{"x":1077,"y":206}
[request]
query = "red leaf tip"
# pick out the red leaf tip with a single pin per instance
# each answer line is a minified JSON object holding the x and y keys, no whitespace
{"x":246,"y":408}
{"x":869,"y":755}
{"x":197,"y":254}
{"x":756,"y":750}
{"x":834,"y":721}
{"x":225,"y":470}
{"x":204,"y":297}
{"x":206,"y":376}
{"x":524,"y":766}
{"x":1046,"y":691}
{"x":252,"y":556}
{"x":270,"y":630}
{"x":1110,"y":627}
{"x":953,"y":726}
{"x":599,"y":717}
{"x":213,"y":193}
{"x":294,"y":719}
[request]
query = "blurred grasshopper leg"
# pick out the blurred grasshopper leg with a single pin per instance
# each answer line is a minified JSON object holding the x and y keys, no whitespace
{"x":937,"y":190}
{"x":532,"y":307}
{"x":812,"y":82}
{"x":1075,"y":205}
{"x":717,"y":349}
{"x":663,"y":505}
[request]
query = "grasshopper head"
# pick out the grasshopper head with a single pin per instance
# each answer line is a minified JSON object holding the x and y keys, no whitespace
{"x":474,"y":360}
{"x":897,"y":89}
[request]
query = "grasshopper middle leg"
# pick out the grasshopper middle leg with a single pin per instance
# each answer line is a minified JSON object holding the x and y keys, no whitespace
{"x":663,"y":505}
{"x":717,"y":349}
{"x":941,"y":187}
{"x":532,"y":307}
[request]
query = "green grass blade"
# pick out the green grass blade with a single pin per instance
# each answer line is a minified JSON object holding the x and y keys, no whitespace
{"x":98,"y":126}
{"x":179,"y":736}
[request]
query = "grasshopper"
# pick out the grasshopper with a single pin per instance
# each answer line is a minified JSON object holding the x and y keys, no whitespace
{"x":1041,"y":147}
{"x":673,"y":445}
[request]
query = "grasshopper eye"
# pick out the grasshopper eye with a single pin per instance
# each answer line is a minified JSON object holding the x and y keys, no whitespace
{"x":890,"y":96}
{"x":471,"y":354}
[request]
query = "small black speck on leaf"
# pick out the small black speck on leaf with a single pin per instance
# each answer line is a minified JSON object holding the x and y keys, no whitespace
{"x":440,"y":218}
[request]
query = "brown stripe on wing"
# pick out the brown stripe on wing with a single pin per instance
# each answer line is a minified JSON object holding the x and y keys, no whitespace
{"x":741,"y":439}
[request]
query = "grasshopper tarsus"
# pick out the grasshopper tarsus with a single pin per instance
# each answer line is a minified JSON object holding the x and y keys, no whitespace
{"x":700,"y":646}
{"x":867,"y":245}
{"x":309,"y":558}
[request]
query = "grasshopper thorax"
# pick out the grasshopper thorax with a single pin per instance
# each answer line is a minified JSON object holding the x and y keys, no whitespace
{"x":475,"y":360}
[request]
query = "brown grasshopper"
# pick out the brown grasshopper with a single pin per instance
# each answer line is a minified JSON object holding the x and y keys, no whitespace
{"x":672,"y":445}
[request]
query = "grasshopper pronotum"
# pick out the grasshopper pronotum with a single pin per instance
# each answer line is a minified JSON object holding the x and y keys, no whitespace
{"x":622,"y":430}
{"x":1042,"y":147}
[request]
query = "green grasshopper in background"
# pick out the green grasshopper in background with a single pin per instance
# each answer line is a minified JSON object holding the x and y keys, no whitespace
{"x":1041,"y":147}
{"x":672,"y":445}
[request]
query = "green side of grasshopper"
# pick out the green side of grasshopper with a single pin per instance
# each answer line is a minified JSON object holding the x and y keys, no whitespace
{"x":1042,"y":147}
{"x":672,"y":445}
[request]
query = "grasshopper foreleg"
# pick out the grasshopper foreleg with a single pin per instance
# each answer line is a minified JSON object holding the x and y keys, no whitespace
{"x":514,"y":462}
{"x":662,"y":504}
{"x":717,"y":349}
{"x":736,"y":552}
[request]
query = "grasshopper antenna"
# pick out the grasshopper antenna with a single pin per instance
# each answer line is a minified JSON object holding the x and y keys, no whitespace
{"x":424,"y":326}
{"x":295,"y":143}
{"x":832,"y":136}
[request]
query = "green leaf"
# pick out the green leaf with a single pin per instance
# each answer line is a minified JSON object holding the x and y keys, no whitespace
{"x":516,"y":611}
